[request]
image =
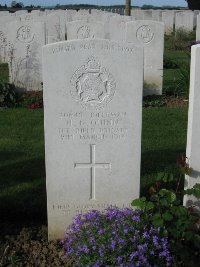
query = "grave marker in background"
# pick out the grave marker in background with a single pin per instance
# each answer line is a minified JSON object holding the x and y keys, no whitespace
{"x":150,"y":36}
{"x":81,"y":29}
{"x":24,"y":53}
{"x":93,"y":106}
{"x":193,"y":132}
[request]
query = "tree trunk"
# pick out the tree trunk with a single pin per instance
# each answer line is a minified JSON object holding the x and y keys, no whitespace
{"x":128,"y":8}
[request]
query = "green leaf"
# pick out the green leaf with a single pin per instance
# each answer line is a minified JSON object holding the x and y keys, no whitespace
{"x":157,"y":220}
{"x":160,"y":176}
{"x":167,"y":216}
{"x":139,"y":203}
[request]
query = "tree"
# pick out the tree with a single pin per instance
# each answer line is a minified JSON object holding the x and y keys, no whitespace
{"x":193,"y":4}
{"x":17,"y":5}
{"x":13,"y":3}
{"x":128,"y":8}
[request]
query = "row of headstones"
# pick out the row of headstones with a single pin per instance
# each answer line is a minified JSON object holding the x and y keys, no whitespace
{"x":173,"y":19}
{"x":93,"y":118}
{"x":21,"y":43}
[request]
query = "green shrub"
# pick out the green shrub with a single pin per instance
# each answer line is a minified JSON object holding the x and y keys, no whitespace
{"x":32,"y":100}
{"x":179,"y":40}
{"x":179,"y":222}
{"x":154,"y":101}
{"x":8,"y":96}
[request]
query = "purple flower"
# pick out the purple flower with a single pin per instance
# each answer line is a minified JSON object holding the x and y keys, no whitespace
{"x":113,"y":232}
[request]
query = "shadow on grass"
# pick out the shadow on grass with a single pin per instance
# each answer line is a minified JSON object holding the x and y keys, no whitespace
{"x":156,"y":161}
{"x":23,"y":191}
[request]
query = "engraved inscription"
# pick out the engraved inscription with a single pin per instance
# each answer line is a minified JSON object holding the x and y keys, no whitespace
{"x":25,"y":34}
{"x":92,"y":166}
{"x":84,"y":32}
{"x":93,"y":85}
{"x":98,"y":126}
{"x":67,"y":209}
{"x":144,"y":34}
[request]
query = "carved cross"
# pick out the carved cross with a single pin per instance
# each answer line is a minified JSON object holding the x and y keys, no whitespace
{"x":92,"y":166}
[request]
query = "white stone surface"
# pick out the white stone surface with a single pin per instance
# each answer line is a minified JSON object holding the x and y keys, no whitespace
{"x":168,"y":20}
{"x":147,"y":14}
{"x":93,"y":108}
{"x":3,"y":36}
{"x":196,"y":13}
{"x":150,"y":36}
{"x":198,"y":29}
{"x":138,"y":14}
{"x":55,"y":26}
{"x":117,"y":27}
{"x":81,"y":29}
{"x":157,"y":15}
{"x":24,"y":52}
{"x":193,"y":133}
{"x":184,"y":21}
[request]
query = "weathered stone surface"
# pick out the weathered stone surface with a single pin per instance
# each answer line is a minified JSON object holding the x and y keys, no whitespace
{"x":81,"y":29}
{"x":24,"y":54}
{"x":92,"y":127}
{"x":150,"y":36}
{"x":193,"y":133}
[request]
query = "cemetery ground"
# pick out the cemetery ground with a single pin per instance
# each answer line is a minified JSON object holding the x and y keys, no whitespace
{"x":23,"y":235}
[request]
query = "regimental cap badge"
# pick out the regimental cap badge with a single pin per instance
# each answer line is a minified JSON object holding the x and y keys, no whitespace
{"x":93,"y":86}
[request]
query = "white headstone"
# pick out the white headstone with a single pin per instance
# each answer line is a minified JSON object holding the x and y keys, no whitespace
{"x":157,"y":15}
{"x":138,"y":14}
{"x":24,"y":52}
{"x":93,"y":106}
{"x":150,"y":36}
{"x":193,"y":134}
{"x":147,"y":14}
{"x":117,"y":27}
{"x":81,"y":29}
{"x":3,"y":36}
{"x":196,"y":13}
{"x":198,"y":28}
{"x":184,"y":21}
{"x":55,"y":26}
{"x":168,"y":20}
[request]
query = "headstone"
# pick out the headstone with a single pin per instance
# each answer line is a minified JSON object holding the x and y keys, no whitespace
{"x":168,"y":20}
{"x":156,"y":15}
{"x":93,"y":106}
{"x":147,"y":14}
{"x":117,"y":27}
{"x":138,"y":14}
{"x":20,"y":12}
{"x":69,"y":15}
{"x":196,"y":13}
{"x":55,"y":26}
{"x":3,"y":36}
{"x":150,"y":36}
{"x":81,"y":29}
{"x":193,"y":133}
{"x":4,"y":13}
{"x":24,"y":52}
{"x":184,"y":21}
{"x":198,"y":29}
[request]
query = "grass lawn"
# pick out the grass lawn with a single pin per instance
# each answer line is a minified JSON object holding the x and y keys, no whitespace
{"x":22,"y":166}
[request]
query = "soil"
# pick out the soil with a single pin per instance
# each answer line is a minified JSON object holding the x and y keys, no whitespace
{"x":30,"y":248}
{"x":179,"y":101}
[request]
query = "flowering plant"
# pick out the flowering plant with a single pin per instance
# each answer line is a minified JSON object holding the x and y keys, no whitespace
{"x":32,"y":100}
{"x":115,"y":237}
